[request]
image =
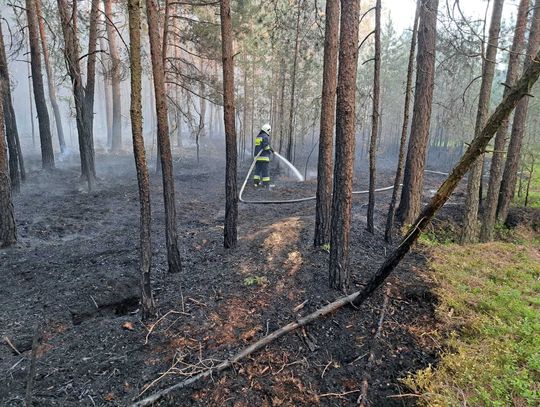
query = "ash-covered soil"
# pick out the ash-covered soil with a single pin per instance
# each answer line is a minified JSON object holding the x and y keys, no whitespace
{"x":73,"y":278}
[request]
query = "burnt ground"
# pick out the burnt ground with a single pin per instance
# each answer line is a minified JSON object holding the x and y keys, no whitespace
{"x":73,"y":278}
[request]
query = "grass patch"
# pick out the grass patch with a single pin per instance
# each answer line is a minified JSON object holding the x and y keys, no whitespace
{"x":490,"y":302}
{"x":534,"y":190}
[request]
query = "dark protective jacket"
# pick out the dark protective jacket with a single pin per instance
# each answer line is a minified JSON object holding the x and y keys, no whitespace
{"x":262,"y":144}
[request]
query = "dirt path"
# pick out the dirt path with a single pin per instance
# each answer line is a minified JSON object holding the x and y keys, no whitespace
{"x":74,"y":274}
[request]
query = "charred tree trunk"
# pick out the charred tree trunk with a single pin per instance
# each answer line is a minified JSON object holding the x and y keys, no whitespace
{"x":50,"y":78}
{"x":497,"y":160}
{"x":47,"y":153}
{"x":281,"y":106}
{"x":231,"y":196}
{"x":326,"y":138}
{"x":470,"y":231}
{"x":83,"y":95}
{"x":116,"y":80}
{"x":145,"y":248}
{"x":173,"y":254}
{"x":107,"y":94}
{"x":404,"y":128}
{"x":413,"y":181}
{"x":293,"y":83}
{"x":509,"y":179}
{"x":9,"y":119}
{"x":345,"y":145}
{"x":375,"y":125}
{"x":8,"y":229}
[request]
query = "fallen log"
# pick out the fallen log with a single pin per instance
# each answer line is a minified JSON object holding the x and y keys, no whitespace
{"x":522,"y":88}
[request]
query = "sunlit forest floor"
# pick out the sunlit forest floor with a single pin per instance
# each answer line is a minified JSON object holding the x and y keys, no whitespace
{"x":74,"y":275}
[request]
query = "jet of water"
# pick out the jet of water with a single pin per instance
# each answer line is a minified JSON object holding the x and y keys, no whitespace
{"x":292,"y":167}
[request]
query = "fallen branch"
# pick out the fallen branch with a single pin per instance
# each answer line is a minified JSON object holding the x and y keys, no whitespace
{"x":8,"y":342}
{"x":32,"y":371}
{"x":479,"y":143}
{"x":362,"y":399}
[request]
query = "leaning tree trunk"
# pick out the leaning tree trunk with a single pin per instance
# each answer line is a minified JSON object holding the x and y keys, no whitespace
{"x":411,"y":195}
{"x":145,"y":248}
{"x":10,"y":121}
{"x":290,"y":143}
{"x":495,"y":172}
{"x":509,"y":180}
{"x":231,"y":196}
{"x":470,"y":231}
{"x":173,"y":254}
{"x":50,"y":78}
{"x":345,"y":145}
{"x":374,"y":119}
{"x":404,"y":127}
{"x":116,"y":80}
{"x":326,"y":137}
{"x":8,"y":230}
{"x":47,"y":153}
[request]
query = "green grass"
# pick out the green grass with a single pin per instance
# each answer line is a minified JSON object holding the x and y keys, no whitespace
{"x":534,"y":189}
{"x":490,"y":307}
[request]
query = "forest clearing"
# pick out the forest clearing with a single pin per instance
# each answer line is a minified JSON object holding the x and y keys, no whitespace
{"x":269,"y":203}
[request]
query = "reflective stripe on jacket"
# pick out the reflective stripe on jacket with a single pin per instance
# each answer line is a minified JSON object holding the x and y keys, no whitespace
{"x":262,"y":144}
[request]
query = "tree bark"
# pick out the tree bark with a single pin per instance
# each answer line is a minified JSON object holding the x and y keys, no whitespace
{"x":495,"y":172}
{"x":231,"y":195}
{"x":145,"y":248}
{"x":509,"y":179}
{"x":83,"y":95}
{"x":50,"y":78}
{"x":290,"y":143}
{"x":8,"y":229}
{"x":469,"y":233}
{"x":9,"y":118}
{"x":47,"y":153}
{"x":374,"y":119}
{"x":345,"y":145}
{"x":116,"y":80}
{"x":173,"y":254}
{"x":413,"y":181}
{"x":404,"y":128}
{"x":327,"y":123}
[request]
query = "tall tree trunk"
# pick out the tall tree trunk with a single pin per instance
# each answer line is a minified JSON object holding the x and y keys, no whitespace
{"x":145,"y":248}
{"x":107,"y":95}
{"x":413,"y":181}
{"x":8,"y":229}
{"x":470,"y":230}
{"x":30,"y":94}
{"x":404,"y":128}
{"x":497,"y":160}
{"x":83,"y":95}
{"x":50,"y":78}
{"x":116,"y":80}
{"x":9,"y":119}
{"x":47,"y":153}
{"x":290,"y":144}
{"x":375,"y":125}
{"x":173,"y":254}
{"x":281,"y":106}
{"x":509,"y":179}
{"x":327,"y":123}
{"x":231,"y":196}
{"x":345,"y":145}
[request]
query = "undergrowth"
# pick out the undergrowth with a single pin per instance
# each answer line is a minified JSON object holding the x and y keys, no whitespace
{"x":489,"y":303}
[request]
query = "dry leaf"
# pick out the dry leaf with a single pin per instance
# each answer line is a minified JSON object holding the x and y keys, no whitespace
{"x":128,"y":325}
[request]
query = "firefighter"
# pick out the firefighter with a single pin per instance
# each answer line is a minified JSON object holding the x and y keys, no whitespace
{"x":262,"y":146}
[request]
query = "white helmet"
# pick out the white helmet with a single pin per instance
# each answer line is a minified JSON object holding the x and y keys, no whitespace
{"x":266,"y":128}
